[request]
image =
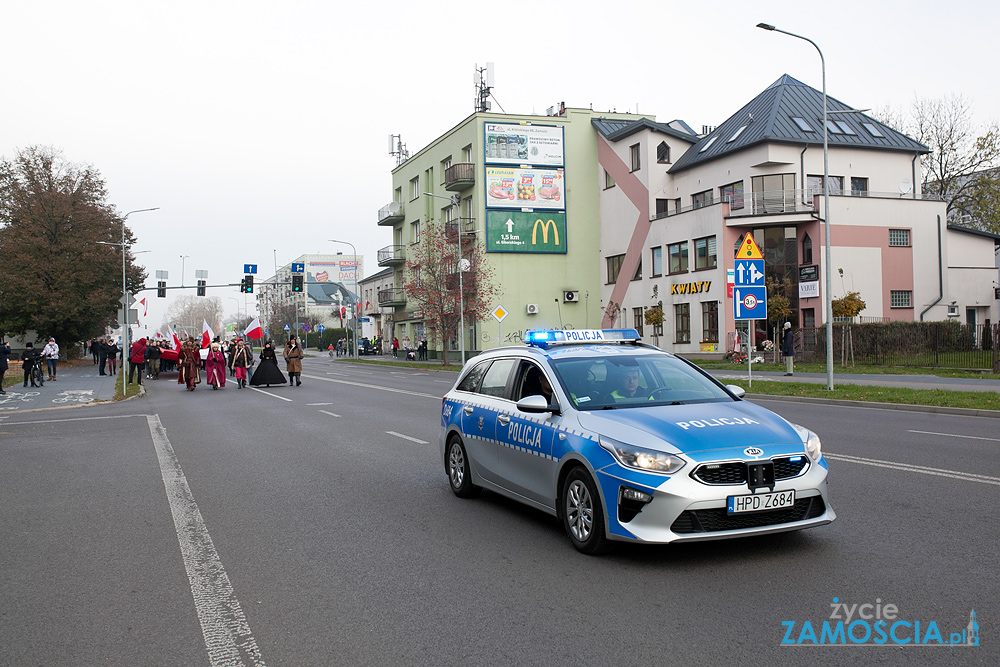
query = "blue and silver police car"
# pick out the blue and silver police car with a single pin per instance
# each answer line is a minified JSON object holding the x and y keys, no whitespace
{"x":623,"y":441}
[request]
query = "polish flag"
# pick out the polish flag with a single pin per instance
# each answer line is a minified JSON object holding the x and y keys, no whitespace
{"x":254,"y":330}
{"x":206,"y":334}
{"x":368,"y":305}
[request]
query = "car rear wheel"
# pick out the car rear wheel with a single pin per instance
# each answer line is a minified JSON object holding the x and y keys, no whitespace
{"x":582,"y":514}
{"x":459,"y":475}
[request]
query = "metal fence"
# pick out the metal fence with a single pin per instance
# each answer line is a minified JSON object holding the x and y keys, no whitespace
{"x":920,"y":344}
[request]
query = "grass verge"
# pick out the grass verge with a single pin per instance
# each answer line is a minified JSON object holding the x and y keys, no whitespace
{"x":847,"y":392}
{"x":853,"y":370}
{"x":133,"y":389}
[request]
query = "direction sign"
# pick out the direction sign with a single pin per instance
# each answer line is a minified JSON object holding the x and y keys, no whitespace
{"x":749,"y":272}
{"x":299,"y":267}
{"x":499,"y":313}
{"x":249,"y":268}
{"x":750,"y":303}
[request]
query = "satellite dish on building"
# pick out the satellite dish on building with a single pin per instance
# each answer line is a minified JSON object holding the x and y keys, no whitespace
{"x":464,"y":265}
{"x":393,"y":208}
{"x":905,"y":187}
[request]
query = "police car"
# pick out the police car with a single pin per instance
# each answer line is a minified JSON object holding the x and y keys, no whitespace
{"x":623,"y":441}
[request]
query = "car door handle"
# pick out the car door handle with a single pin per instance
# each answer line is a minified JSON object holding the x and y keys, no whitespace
{"x":468,"y":409}
{"x":503,"y":419}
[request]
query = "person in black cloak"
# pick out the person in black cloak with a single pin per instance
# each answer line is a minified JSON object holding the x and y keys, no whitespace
{"x":267,"y":372}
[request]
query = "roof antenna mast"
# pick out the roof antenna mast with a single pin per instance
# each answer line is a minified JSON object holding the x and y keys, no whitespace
{"x":483,"y":80}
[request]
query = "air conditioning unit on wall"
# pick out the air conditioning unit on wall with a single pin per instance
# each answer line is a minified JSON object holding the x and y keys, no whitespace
{"x":531,"y":308}
{"x":571,"y":297}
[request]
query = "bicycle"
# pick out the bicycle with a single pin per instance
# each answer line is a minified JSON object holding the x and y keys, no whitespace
{"x":37,"y":375}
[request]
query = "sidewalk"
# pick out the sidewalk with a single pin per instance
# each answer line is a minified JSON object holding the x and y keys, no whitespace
{"x":78,"y":383}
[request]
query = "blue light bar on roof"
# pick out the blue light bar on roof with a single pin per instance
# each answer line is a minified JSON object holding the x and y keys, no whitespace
{"x":580,"y":336}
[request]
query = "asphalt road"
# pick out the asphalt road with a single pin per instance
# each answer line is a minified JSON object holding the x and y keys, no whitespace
{"x":313,"y":525}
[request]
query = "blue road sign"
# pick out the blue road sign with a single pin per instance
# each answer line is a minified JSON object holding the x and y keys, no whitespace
{"x":305,"y":326}
{"x":287,"y":327}
{"x":298,"y":267}
{"x":749,"y":272}
{"x":321,"y":328}
{"x":249,"y":268}
{"x":749,"y":303}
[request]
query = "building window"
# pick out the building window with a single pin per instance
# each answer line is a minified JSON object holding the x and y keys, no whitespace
{"x":637,"y":319}
{"x":710,"y":321}
{"x":900,"y":299}
{"x":397,"y":195}
{"x":807,"y":249}
{"x":733,"y":193}
{"x":638,"y":271}
{"x":415,"y":232}
{"x":663,"y":153}
{"x":845,"y":128}
{"x":899,"y":237}
{"x":873,"y":130}
{"x":633,"y":151}
{"x":859,"y":186}
{"x":414,"y":187}
{"x":467,"y":153}
{"x":704,"y":253}
{"x":814,"y":184}
{"x":678,"y":253}
{"x":700,"y":199}
{"x":682,"y":322}
{"x":656,"y":255}
{"x":614,"y":267}
{"x":803,"y":125}
{"x":707,"y":145}
{"x":661,"y":207}
{"x":658,"y":329}
{"x":736,"y":134}
{"x":608,"y":181}
{"x":445,"y":166}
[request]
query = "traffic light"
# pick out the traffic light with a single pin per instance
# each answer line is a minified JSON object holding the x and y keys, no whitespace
{"x":243,"y":285}
{"x":249,"y":283}
{"x":161,"y":288}
{"x":201,"y":288}
{"x":297,"y":283}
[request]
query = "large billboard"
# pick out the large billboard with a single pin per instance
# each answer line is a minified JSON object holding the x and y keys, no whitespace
{"x":535,"y":188}
{"x":514,"y":143}
{"x":518,"y":231}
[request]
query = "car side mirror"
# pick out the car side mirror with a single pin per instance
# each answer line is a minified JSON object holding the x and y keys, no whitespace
{"x":536,"y":404}
{"x":736,"y":390}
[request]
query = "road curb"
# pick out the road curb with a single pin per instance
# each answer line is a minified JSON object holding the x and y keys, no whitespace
{"x":905,"y":407}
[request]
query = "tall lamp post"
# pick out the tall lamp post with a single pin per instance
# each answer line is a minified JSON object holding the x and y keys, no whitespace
{"x":125,"y":299}
{"x":826,"y":207}
{"x":356,"y":295}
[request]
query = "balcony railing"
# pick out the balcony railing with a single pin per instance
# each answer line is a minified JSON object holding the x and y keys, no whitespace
{"x":391,"y":213}
{"x":467,"y":226}
{"x":460,"y":176}
{"x":391,"y":255}
{"x":394,"y":296}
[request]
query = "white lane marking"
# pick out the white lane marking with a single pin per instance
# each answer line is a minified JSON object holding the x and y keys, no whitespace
{"x":228,"y":638}
{"x":406,"y":437}
{"x":376,"y":386}
{"x":955,"y":435}
{"x":315,"y":404}
{"x":332,"y":414}
{"x":444,"y":381}
{"x":906,"y":467}
{"x":267,"y":393}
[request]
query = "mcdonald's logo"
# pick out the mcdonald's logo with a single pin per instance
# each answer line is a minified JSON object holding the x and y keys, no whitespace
{"x":545,"y":231}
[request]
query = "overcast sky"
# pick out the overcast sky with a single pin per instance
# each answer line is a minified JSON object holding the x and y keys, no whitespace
{"x":260,"y":129}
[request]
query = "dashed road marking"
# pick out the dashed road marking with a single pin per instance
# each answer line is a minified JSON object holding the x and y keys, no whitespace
{"x":923,"y":470}
{"x":267,"y":393}
{"x":332,"y":414}
{"x":406,"y":437}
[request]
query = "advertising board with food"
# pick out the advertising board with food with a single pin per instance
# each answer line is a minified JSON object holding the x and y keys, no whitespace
{"x":516,"y":143}
{"x":514,"y":187}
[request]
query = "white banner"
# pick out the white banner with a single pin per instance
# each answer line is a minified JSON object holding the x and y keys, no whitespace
{"x":809,"y":290}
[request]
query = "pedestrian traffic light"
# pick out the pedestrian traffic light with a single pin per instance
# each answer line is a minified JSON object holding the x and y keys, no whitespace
{"x":161,"y":288}
{"x":249,"y":283}
{"x":297,"y":283}
{"x":243,"y":285}
{"x":201,"y":288}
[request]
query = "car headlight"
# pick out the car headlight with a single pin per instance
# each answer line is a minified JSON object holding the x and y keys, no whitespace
{"x":813,"y":446}
{"x":648,"y":460}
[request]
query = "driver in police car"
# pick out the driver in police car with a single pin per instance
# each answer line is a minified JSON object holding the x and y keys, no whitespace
{"x":629,"y":385}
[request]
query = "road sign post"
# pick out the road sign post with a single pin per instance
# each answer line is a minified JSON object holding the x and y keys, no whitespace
{"x":499,"y":313}
{"x":749,"y":291}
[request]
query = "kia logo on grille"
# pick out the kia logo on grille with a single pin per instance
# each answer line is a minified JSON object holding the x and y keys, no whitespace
{"x":753,"y":451}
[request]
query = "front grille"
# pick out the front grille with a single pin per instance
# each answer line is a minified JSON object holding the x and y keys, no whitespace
{"x":722,"y":473}
{"x":714,"y":520}
{"x":787,"y":467}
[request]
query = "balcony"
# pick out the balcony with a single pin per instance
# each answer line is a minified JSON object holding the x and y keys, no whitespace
{"x":460,"y":176}
{"x":393,"y":297}
{"x":467,"y":226}
{"x":391,"y":255}
{"x":391,"y":213}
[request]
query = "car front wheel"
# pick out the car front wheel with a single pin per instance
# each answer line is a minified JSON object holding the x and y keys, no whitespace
{"x":459,"y":475}
{"x":582,"y":514}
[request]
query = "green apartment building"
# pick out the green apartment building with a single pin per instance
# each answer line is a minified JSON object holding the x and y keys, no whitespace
{"x":526,"y":189}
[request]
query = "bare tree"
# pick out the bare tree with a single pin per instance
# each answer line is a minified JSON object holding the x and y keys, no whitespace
{"x":188,"y":313}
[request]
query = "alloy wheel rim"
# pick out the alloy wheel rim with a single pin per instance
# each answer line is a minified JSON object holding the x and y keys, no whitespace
{"x":579,"y":510}
{"x":456,"y":466}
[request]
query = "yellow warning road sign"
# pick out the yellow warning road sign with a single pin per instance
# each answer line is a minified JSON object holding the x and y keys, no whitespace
{"x":749,"y":249}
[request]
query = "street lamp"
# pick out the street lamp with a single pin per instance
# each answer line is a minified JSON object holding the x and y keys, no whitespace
{"x":125,"y":299}
{"x":356,"y":295}
{"x":826,"y":207}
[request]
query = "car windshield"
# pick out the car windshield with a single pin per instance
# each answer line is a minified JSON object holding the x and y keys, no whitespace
{"x":611,"y":382}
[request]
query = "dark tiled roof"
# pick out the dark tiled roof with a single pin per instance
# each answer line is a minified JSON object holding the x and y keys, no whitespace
{"x":615,"y":129}
{"x":769,"y":118}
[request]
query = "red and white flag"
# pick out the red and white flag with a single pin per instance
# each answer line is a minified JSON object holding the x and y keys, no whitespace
{"x":206,"y":334}
{"x":368,"y":305}
{"x":254,"y":330}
